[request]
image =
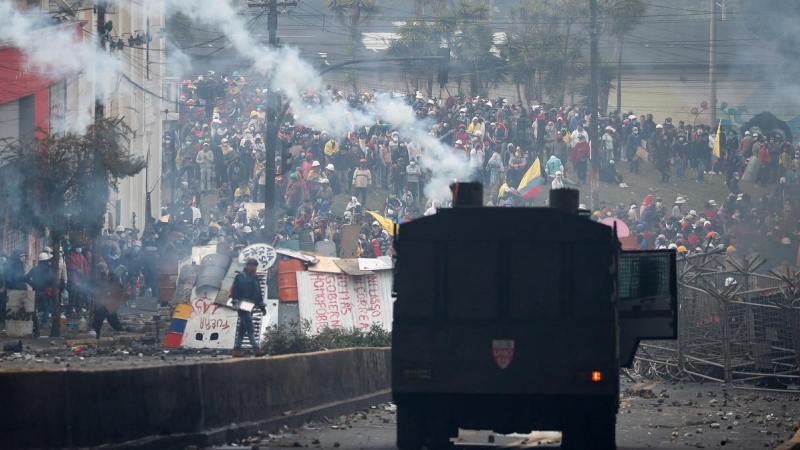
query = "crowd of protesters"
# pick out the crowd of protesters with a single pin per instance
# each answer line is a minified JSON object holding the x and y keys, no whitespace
{"x":218,"y":145}
{"x":216,"y":155}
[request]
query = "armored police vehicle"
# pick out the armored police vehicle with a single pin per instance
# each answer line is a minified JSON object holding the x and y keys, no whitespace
{"x":518,"y":319}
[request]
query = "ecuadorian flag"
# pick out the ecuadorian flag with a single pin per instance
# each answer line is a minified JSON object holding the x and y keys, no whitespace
{"x":530,"y":184}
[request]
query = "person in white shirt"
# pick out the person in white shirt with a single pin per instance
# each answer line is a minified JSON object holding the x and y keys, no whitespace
{"x":558,"y":181}
{"x":476,"y":158}
{"x":608,"y":144}
{"x":579,"y":131}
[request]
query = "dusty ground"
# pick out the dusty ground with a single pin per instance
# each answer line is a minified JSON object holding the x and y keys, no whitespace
{"x":112,"y":350}
{"x":653,"y":415}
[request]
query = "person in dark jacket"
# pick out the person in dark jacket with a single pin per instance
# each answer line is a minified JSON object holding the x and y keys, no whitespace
{"x":109,"y":295}
{"x":40,"y":278}
{"x":246,"y":288}
{"x":16,"y":271}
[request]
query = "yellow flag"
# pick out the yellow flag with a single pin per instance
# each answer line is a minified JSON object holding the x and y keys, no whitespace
{"x":717,"y":141}
{"x":502,"y":190}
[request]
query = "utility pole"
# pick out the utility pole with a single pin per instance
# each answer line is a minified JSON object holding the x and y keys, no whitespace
{"x":594,"y":143}
{"x":99,"y":111}
{"x":712,"y":60}
{"x":99,"y":96}
{"x":271,"y":140}
{"x":619,"y":78}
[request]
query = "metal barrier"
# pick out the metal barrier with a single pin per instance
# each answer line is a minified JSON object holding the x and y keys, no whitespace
{"x":735,"y":326}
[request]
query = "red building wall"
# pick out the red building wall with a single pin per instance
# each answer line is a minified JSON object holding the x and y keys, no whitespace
{"x":18,"y":79}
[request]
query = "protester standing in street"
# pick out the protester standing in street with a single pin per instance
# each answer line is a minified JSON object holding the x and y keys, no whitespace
{"x":246,"y":288}
{"x":109,"y":295}
{"x":40,"y":278}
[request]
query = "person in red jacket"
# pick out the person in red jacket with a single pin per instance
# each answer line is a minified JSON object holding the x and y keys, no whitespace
{"x":579,"y":155}
{"x":78,"y":271}
{"x":461,"y":134}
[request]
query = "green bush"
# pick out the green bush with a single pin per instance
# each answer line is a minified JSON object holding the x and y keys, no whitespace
{"x":297,"y":338}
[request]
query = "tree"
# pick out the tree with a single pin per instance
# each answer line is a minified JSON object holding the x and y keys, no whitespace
{"x":543,"y":48}
{"x":621,"y":17}
{"x":606,"y":75}
{"x":421,"y":6}
{"x":468,"y":34}
{"x":416,"y":38}
{"x":352,"y":14}
{"x":465,"y":30}
{"x":62,"y":184}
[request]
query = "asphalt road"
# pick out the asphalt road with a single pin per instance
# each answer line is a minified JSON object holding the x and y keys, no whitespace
{"x":653,"y":415}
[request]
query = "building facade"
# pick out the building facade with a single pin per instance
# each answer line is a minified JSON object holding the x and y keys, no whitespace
{"x":35,"y":103}
{"x":32,"y":102}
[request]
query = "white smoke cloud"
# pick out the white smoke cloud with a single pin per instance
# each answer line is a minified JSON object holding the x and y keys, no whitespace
{"x":63,"y":51}
{"x":66,"y":52}
{"x":289,"y":73}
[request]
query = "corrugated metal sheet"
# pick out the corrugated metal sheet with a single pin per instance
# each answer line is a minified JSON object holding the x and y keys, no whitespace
{"x":306,"y":239}
{"x":225,"y":288}
{"x":344,"y":301}
{"x":212,"y":271}
{"x":310,"y":259}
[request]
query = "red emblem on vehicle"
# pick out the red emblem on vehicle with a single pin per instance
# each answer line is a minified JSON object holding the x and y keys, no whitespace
{"x":503,"y":351}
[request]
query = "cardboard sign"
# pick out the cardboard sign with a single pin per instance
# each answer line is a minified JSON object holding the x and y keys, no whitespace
{"x":20,"y":311}
{"x":265,"y":254}
{"x":210,"y":325}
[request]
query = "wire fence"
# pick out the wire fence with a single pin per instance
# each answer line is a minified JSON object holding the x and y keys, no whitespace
{"x":735,"y":325}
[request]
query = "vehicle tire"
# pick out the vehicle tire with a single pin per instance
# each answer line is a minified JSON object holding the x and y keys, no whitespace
{"x":410,"y":427}
{"x":437,"y":430}
{"x":602,"y":430}
{"x":595,"y":430}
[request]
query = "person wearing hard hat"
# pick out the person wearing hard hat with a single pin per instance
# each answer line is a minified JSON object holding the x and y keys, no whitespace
{"x":381,"y":237}
{"x":40,"y":279}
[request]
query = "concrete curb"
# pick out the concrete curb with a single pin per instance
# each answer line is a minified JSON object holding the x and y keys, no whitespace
{"x":791,"y":444}
{"x":225,"y":435}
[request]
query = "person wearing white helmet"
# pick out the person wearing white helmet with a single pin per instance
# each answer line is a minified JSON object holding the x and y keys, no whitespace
{"x":609,"y":174}
{"x":380,"y":237}
{"x":314,"y":173}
